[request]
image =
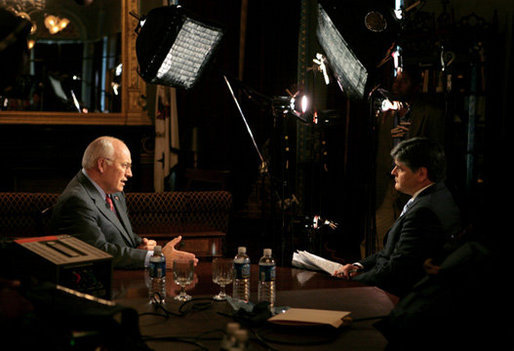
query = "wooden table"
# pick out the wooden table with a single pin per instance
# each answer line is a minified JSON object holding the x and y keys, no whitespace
{"x":295,"y":288}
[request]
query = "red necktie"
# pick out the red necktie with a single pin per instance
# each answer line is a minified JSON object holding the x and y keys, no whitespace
{"x":108,"y":200}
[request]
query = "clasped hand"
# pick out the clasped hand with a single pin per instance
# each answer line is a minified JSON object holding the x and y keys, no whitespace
{"x":348,"y":271}
{"x":147,"y":244}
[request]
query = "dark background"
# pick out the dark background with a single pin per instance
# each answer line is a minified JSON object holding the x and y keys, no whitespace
{"x":39,"y":158}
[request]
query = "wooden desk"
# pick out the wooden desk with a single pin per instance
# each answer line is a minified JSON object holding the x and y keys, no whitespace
{"x":295,"y":288}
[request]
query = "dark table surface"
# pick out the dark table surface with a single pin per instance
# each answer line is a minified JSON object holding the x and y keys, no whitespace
{"x":203,"y":321}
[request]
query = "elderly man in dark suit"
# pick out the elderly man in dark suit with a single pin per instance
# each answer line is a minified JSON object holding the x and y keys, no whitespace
{"x":93,"y":207}
{"x":428,"y":220}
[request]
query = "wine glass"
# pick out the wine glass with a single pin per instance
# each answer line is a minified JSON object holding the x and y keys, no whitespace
{"x":222,"y":273}
{"x":183,"y":271}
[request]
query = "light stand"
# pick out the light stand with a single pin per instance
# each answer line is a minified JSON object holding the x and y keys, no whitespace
{"x":280,"y":107}
{"x":264,"y":164}
{"x":316,"y":228}
{"x":278,"y":170}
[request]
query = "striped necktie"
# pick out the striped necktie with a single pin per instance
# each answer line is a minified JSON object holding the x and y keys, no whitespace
{"x":407,"y":206}
{"x":109,"y":203}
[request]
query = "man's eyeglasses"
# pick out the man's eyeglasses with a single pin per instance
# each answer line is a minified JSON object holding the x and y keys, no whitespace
{"x":125,"y":165}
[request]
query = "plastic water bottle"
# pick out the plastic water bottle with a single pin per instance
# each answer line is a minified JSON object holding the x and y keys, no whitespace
{"x":241,"y":285}
{"x":157,"y":273}
{"x":267,"y":274}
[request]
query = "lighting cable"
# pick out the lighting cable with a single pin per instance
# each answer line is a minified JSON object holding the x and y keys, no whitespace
{"x":193,"y":305}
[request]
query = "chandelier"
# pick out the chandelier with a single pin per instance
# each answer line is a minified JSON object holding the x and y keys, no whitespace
{"x":28,"y":8}
{"x":55,"y":24}
{"x":23,"y":7}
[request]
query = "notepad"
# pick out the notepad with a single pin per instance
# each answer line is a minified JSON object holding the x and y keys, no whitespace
{"x":304,"y":316}
{"x":306,"y":260}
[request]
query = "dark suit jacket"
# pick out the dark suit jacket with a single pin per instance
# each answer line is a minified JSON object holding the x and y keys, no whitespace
{"x":417,"y":235}
{"x":82,"y":212}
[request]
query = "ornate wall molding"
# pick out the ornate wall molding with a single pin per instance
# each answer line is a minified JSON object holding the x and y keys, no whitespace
{"x":133,"y":110}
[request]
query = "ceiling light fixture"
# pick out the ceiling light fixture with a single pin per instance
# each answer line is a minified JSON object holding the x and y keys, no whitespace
{"x":55,"y":24}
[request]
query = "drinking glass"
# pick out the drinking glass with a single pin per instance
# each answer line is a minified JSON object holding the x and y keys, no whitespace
{"x":222,"y":273}
{"x":183,"y":271}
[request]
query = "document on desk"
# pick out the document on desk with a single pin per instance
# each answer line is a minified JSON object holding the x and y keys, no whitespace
{"x":306,"y":260}
{"x":306,"y":316}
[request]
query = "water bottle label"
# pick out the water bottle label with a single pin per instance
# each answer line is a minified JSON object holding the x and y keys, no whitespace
{"x":267,"y":273}
{"x":157,"y":269}
{"x":241,"y":270}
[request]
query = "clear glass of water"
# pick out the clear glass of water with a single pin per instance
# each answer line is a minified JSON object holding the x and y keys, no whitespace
{"x":222,"y":273}
{"x":183,"y":271}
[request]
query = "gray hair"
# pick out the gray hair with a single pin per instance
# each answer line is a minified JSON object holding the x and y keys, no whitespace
{"x":100,"y":147}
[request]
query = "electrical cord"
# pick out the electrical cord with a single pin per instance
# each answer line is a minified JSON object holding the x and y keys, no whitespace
{"x":158,"y":303}
{"x":195,"y":304}
{"x":198,"y":306}
{"x":262,"y":341}
{"x":201,"y":304}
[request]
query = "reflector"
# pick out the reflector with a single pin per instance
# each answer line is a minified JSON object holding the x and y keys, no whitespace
{"x":172,"y":48}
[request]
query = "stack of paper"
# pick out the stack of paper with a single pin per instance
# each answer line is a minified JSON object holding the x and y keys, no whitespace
{"x":305,"y":316}
{"x":306,"y":260}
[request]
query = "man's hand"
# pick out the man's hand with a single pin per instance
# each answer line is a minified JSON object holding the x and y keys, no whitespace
{"x":347,"y":271}
{"x":431,"y":268}
{"x":171,"y":253}
{"x":147,"y":244}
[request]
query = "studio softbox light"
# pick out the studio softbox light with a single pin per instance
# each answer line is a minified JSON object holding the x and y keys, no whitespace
{"x":355,"y":36}
{"x":172,"y":48}
{"x":348,"y":69}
